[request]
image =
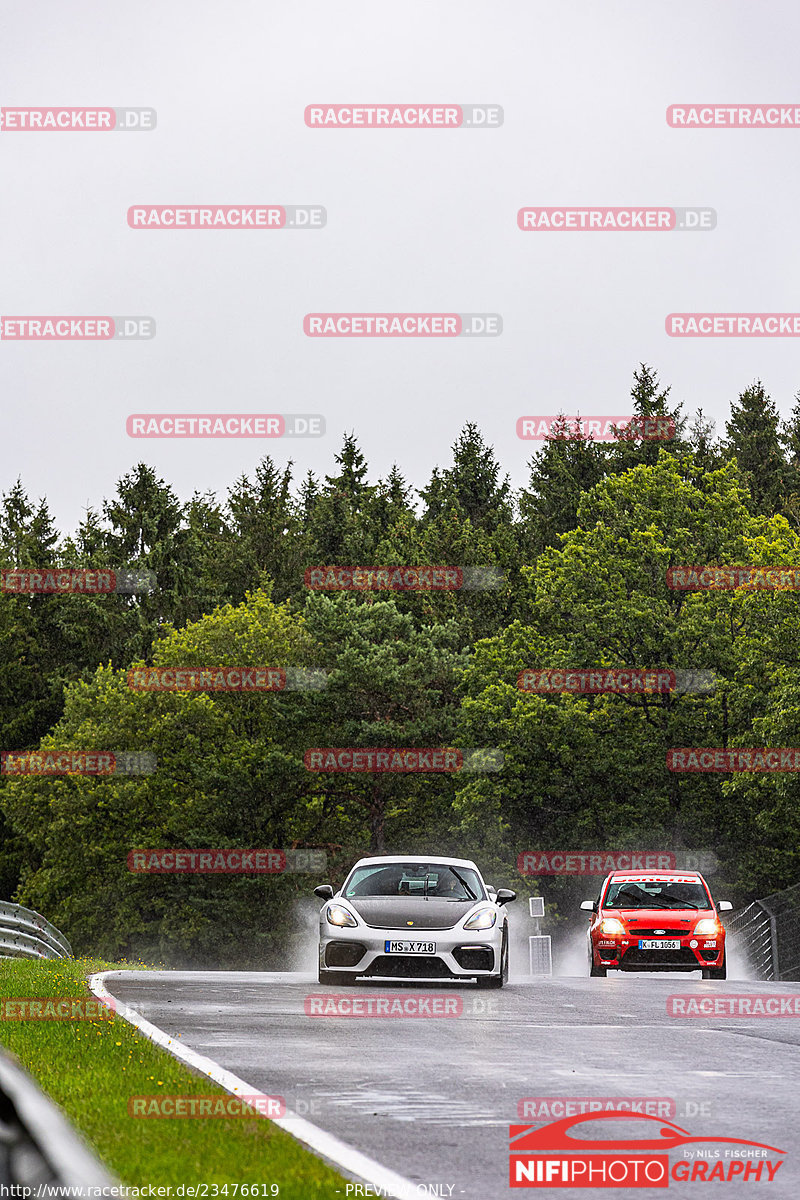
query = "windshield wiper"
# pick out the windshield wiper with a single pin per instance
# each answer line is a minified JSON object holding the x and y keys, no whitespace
{"x":464,"y":884}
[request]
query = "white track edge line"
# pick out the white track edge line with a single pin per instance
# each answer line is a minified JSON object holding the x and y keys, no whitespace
{"x":325,"y":1144}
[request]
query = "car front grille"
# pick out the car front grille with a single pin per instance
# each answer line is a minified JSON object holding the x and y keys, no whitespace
{"x":409,"y":966}
{"x":661,"y":931}
{"x":658,"y":958}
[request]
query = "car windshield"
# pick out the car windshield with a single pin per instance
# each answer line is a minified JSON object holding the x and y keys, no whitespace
{"x":435,"y":881}
{"x":651,"y":893}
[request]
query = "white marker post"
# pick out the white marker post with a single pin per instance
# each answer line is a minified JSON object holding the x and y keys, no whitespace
{"x":539,"y":948}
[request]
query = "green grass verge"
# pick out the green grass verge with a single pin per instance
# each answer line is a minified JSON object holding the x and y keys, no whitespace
{"x":91,"y":1068}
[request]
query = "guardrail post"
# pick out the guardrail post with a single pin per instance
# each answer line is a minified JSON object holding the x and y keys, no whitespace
{"x":773,"y":937}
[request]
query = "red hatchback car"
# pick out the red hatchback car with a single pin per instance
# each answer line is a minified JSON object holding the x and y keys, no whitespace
{"x":656,"y":921}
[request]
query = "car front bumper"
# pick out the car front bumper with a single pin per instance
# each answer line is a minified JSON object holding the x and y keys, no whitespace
{"x":623,"y":954}
{"x":459,"y":953}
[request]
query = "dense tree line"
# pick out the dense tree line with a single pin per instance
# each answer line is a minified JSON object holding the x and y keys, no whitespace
{"x":583,"y":550}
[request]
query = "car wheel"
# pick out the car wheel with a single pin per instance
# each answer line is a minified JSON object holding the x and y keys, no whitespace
{"x":497,"y":981}
{"x":596,"y":972}
{"x":717,"y":972}
{"x":335,"y":978}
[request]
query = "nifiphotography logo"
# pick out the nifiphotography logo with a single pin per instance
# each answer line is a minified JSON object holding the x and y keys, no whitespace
{"x":552,"y":1156}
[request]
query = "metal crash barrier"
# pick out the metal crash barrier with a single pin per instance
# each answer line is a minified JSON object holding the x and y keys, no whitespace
{"x":26,"y":934}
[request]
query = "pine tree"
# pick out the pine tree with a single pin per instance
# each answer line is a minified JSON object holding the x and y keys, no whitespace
{"x":351,"y":478}
{"x":649,"y":400}
{"x":307,"y":500}
{"x":753,"y":437}
{"x":790,"y":439}
{"x":569,"y":463}
{"x":339,"y":526}
{"x":145,"y":514}
{"x":262,"y":527}
{"x":390,"y":506}
{"x":705,"y":447}
{"x":28,"y":537}
{"x":471,"y":487}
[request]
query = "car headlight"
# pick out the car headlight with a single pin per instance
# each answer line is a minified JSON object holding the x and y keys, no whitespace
{"x":340,"y":916}
{"x":708,"y":927}
{"x":611,"y":926}
{"x":484,"y":918}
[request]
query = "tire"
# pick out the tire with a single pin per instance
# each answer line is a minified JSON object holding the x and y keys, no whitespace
{"x":595,"y":972}
{"x":335,"y":978}
{"x":494,"y":982}
{"x":717,"y":972}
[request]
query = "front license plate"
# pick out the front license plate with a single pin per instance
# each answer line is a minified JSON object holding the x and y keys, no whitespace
{"x":660,"y":944}
{"x":410,"y":947}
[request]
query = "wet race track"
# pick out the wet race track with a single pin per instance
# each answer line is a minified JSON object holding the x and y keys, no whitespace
{"x":432,"y":1098}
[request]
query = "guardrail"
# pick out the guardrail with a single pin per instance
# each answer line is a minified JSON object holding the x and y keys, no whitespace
{"x":26,"y":934}
{"x":39,"y":1146}
{"x":784,"y":913}
{"x":752,"y":933}
{"x":767,"y":933}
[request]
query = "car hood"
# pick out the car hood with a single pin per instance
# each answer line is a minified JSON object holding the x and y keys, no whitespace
{"x":402,"y":912}
{"x":659,"y":916}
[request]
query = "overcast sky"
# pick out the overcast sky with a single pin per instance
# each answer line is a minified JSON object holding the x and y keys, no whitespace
{"x":418,"y":221}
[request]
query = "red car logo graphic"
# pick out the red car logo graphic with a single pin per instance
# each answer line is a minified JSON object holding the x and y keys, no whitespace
{"x":556,"y":1135}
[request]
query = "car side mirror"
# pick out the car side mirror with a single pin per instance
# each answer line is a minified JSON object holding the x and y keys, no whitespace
{"x":324,"y":891}
{"x":589,"y":905}
{"x":724,"y":906}
{"x":505,"y":896}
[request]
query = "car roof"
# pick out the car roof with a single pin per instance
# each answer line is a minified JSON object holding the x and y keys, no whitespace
{"x":684,"y":876}
{"x":388,"y":859}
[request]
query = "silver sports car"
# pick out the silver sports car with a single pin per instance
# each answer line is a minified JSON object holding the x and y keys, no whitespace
{"x":414,"y":917}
